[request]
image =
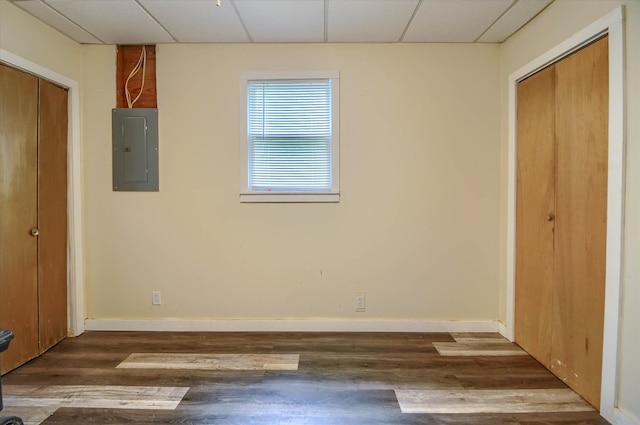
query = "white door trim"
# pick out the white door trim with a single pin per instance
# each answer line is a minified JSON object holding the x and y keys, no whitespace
{"x":611,"y":24}
{"x":76,"y":313}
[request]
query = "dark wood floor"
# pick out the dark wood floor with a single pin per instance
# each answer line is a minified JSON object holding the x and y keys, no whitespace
{"x":340,"y":378}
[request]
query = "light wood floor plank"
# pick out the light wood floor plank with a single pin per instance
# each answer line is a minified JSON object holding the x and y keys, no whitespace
{"x":478,"y":349}
{"x":479,"y":338}
{"x":94,"y":396}
{"x":211,"y":361}
{"x":491,"y":401}
{"x":30,"y":415}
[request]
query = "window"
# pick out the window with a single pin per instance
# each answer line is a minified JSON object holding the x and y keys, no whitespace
{"x":289,"y":137}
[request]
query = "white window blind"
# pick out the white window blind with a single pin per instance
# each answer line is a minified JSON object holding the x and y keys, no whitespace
{"x":289,"y":136}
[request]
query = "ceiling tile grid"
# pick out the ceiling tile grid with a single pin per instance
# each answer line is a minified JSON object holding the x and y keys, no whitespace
{"x":113,"y":21}
{"x":197,"y":21}
{"x":461,"y":21}
{"x":58,"y":21}
{"x":514,"y":19}
{"x":284,"y":21}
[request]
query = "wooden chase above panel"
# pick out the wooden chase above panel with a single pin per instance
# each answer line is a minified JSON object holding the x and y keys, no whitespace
{"x":126,"y":60}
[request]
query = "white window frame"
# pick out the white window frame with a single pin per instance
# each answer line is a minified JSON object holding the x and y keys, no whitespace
{"x":246,"y":194}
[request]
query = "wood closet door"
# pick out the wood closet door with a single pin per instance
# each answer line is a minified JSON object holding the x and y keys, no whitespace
{"x":561,"y":217}
{"x":582,"y":118}
{"x":535,"y":212}
{"x":33,"y":196}
{"x":52,"y":215}
{"x":18,"y":214}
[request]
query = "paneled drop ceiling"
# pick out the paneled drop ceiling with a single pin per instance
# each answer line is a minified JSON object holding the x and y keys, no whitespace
{"x":284,"y":21}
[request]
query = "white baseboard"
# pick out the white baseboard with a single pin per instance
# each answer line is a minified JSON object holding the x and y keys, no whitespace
{"x":502,"y":329}
{"x":285,"y":325}
{"x":620,"y":418}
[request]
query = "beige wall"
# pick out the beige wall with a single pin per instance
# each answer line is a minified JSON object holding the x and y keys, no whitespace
{"x":416,"y":227}
{"x":558,"y":22}
{"x":25,"y":36}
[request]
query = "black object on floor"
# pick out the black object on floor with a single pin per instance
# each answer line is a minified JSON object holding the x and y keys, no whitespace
{"x":5,"y":339}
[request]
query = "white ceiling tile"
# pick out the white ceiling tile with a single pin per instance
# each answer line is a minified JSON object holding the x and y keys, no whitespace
{"x":521,"y":13}
{"x":454,"y":20}
{"x":368,"y":21}
{"x":295,"y":21}
{"x":113,"y":21}
{"x":54,"y":19}
{"x":197,"y":21}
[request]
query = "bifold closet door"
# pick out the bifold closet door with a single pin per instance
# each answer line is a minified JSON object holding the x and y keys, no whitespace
{"x":18,"y":214}
{"x":561,"y":216}
{"x":582,"y":93}
{"x":535,"y":214}
{"x":33,"y":214}
{"x":52,"y":215}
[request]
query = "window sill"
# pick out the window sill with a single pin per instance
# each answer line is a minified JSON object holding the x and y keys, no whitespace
{"x":289,"y":197}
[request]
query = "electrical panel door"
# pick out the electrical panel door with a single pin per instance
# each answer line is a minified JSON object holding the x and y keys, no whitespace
{"x":135,"y":149}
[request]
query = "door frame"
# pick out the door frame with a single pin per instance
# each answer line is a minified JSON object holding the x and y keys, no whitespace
{"x":611,"y":24}
{"x":75,"y":265}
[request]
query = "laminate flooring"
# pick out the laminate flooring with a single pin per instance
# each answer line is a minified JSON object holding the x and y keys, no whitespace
{"x":290,"y":378}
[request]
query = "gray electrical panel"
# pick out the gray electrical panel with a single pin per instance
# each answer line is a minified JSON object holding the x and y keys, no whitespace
{"x":135,"y":149}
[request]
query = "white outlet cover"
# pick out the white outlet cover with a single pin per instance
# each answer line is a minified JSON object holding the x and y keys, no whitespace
{"x":360,"y":302}
{"x":156,"y":298}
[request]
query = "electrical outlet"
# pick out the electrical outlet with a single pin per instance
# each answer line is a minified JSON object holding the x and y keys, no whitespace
{"x":360,"y":301}
{"x":156,"y":298}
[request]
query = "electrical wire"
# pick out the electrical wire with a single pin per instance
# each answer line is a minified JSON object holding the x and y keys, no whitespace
{"x":142,"y":63}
